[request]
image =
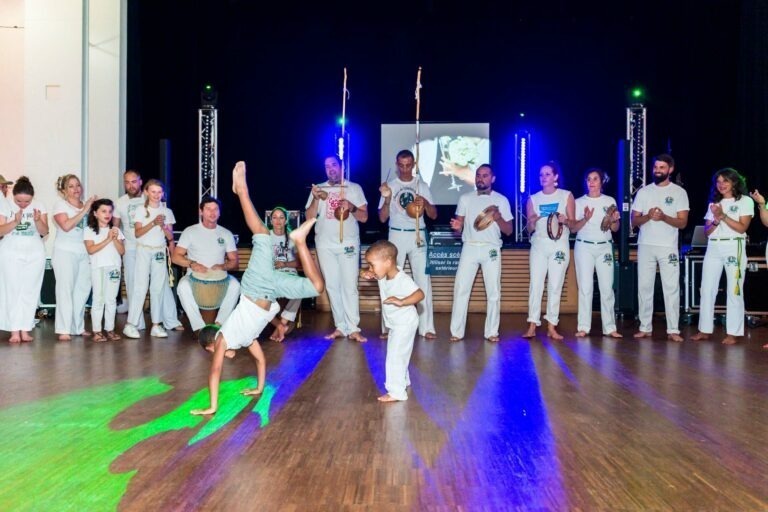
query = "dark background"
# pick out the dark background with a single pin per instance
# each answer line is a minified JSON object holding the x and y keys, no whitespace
{"x":567,"y":65}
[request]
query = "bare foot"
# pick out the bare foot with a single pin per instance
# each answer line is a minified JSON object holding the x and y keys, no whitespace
{"x":456,"y":338}
{"x":279,"y":334}
{"x":730,"y":340}
{"x":238,"y":178}
{"x":86,"y":333}
{"x":552,"y":333}
{"x":289,"y":327}
{"x":251,"y":392}
{"x":430,"y":336}
{"x":178,"y":328}
{"x":64,"y":337}
{"x":358,"y":337}
{"x":674,"y":337}
{"x":700,"y":336}
{"x":14,"y":339}
{"x":299,"y":234}
{"x":531,"y":332}
{"x":387,"y":398}
{"x":335,"y":335}
{"x":615,"y":334}
{"x":384,"y":336}
{"x":229,"y":353}
{"x":581,"y":334}
{"x":642,"y":334}
{"x":493,"y":339}
{"x":26,"y":337}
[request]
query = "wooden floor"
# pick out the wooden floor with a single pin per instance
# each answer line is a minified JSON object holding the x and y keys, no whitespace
{"x":593,"y":424}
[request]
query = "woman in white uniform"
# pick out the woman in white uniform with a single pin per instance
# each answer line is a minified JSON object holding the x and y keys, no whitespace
{"x":284,"y":252}
{"x":153,"y":226}
{"x":548,"y":257}
{"x":726,"y":222}
{"x":70,"y":262}
{"x":23,"y":223}
{"x":763,"y":212}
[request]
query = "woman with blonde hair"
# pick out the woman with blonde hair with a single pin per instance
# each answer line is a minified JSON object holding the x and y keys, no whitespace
{"x":70,"y":262}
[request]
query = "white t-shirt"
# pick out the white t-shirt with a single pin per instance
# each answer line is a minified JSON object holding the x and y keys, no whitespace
{"x":72,"y":240}
{"x":154,"y":237}
{"x":471,"y":205}
{"x":400,"y":286}
{"x":671,"y":199}
{"x":206,"y":246}
{"x":108,"y":255}
{"x":744,"y":207}
{"x":591,"y":230}
{"x":124,"y":208}
{"x":327,"y":227}
{"x":403,"y":193}
{"x":26,"y":228}
{"x":543,"y":205}
{"x":282,"y":251}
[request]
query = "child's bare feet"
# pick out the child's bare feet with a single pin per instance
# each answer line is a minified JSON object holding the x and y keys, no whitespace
{"x":387,"y":398}
{"x":700,"y":336}
{"x":531,"y":332}
{"x":730,"y":340}
{"x":358,"y":337}
{"x":279,"y":334}
{"x":239,"y":184}
{"x":552,"y":333}
{"x":299,"y":234}
{"x":251,"y":392}
{"x":335,"y":335}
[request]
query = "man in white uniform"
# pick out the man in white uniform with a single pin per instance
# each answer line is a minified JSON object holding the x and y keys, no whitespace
{"x":660,"y":210}
{"x":124,"y":207}
{"x":481,"y":248}
{"x":203,"y":247}
{"x":338,"y":249}
{"x":402,"y":191}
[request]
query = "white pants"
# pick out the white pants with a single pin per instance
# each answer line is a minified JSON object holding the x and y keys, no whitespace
{"x":187,"y":299}
{"x":151,"y":272}
{"x":73,"y":285}
{"x":340,"y":267}
{"x":405,"y":241}
{"x":723,"y":254}
{"x":590,"y":258}
{"x":648,"y":256}
{"x":106,"y":282}
{"x":399,"y":349}
{"x":170,"y":314}
{"x":22,"y":266}
{"x":291,"y":310}
{"x":487,"y":257}
{"x":548,"y":260}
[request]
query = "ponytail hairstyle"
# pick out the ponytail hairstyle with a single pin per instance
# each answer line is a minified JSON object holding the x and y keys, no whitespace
{"x":148,"y":184}
{"x":61,"y":184}
{"x":287,"y":219}
{"x":23,"y":186}
{"x":555,"y":170}
{"x":93,"y":222}
{"x":737,"y":180}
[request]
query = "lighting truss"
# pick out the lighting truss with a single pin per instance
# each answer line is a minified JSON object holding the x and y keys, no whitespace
{"x":207,"y":150}
{"x":522,"y":182}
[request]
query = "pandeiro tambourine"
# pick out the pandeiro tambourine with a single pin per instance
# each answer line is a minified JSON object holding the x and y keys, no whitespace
{"x":485,"y":218}
{"x":605,"y":225}
{"x":554,"y":226}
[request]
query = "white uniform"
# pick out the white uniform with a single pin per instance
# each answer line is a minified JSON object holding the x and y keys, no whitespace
{"x":22,"y":264}
{"x":402,"y":323}
{"x":726,"y":249}
{"x":657,"y":244}
{"x":340,"y":260}
{"x":105,"y":277}
{"x":284,"y":250}
{"x":592,"y":253}
{"x":548,"y":258}
{"x":151,"y":267}
{"x":481,"y":249}
{"x":208,"y":247}
{"x":72,"y":269}
{"x":402,"y":233}
{"x":124,"y":208}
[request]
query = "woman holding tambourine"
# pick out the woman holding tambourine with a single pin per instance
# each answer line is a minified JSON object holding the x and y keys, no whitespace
{"x":549,"y":214}
{"x":596,"y":217}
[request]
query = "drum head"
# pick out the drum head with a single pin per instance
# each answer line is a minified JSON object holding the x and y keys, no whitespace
{"x":211,"y":275}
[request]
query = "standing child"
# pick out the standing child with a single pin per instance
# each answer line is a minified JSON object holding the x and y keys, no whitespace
{"x":399,"y":296}
{"x":260,"y":287}
{"x":104,"y":244}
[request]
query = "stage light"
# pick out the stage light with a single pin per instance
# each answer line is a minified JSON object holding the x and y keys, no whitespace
{"x":341,"y":121}
{"x":340,"y":147}
{"x":523,"y":162}
{"x":208,"y":96}
{"x":522,"y":114}
{"x":637,"y":94}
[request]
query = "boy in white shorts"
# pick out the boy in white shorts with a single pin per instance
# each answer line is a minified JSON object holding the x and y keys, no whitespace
{"x":399,"y":296}
{"x":260,"y":287}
